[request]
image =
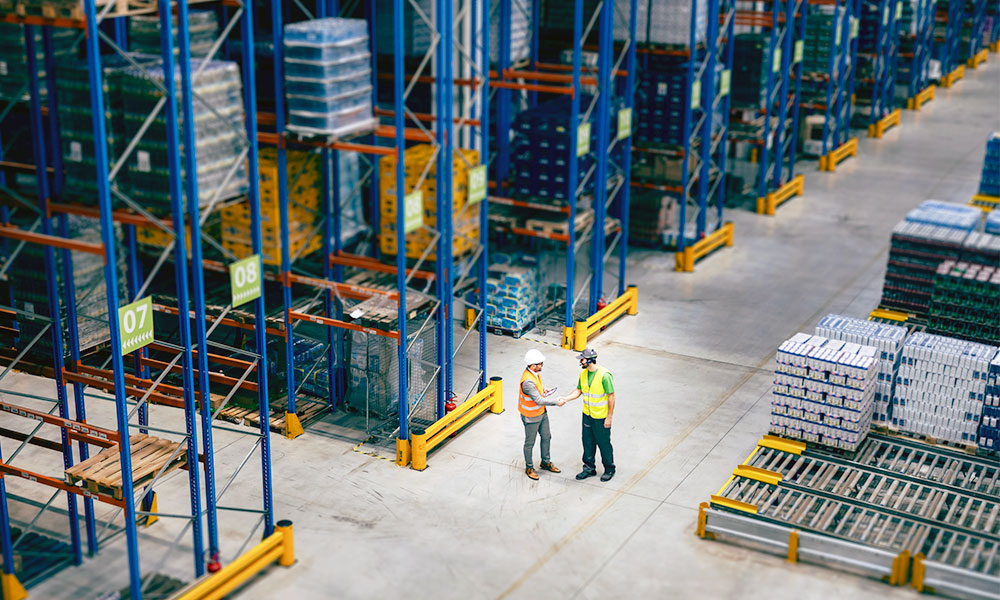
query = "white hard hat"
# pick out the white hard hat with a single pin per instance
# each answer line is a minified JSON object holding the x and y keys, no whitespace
{"x":533,"y":357}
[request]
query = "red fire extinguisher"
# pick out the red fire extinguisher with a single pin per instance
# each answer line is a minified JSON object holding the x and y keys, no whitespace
{"x":449,"y":406}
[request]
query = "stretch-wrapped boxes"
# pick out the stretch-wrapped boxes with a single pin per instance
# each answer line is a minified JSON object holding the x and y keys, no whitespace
{"x":941,"y":387}
{"x":824,"y":391}
{"x":989,"y":425}
{"x":966,"y":302}
{"x":886,"y":339}
{"x":989,"y":183}
{"x":512,"y":297}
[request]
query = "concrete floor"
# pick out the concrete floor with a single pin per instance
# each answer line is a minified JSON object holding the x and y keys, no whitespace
{"x":692,"y":372}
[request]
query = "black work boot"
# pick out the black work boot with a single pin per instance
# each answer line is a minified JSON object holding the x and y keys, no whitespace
{"x":608,"y":475}
{"x":585,"y":473}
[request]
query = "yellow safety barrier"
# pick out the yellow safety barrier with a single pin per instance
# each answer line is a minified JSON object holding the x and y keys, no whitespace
{"x":702,"y":522}
{"x":423,"y":441}
{"x":918,"y":573}
{"x":978,"y":58}
{"x":793,"y":546}
{"x":984,"y":202}
{"x":279,"y":546}
{"x":888,"y":315}
{"x":734,"y":504}
{"x":995,"y":46}
{"x":923,"y":97}
{"x":684,"y":261}
{"x":576,"y":338}
{"x":832,"y":158}
{"x":293,"y":426}
{"x":949,"y":80}
{"x":757,"y":474}
{"x":767,"y":204}
{"x":11,"y":588}
{"x":878,"y":128}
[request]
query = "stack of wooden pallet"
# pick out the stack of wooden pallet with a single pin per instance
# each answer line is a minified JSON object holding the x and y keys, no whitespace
{"x":102,"y":474}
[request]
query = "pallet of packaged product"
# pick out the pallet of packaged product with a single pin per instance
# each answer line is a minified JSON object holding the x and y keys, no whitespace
{"x":73,"y":9}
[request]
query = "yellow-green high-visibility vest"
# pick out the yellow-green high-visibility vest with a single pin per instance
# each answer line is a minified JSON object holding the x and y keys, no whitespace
{"x":595,"y":399}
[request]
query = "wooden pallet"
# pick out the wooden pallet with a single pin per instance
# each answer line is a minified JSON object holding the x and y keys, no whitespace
{"x":514,"y":333}
{"x":73,"y":9}
{"x":930,"y":440}
{"x":560,"y":226}
{"x":250,"y":417}
{"x":101,"y":474}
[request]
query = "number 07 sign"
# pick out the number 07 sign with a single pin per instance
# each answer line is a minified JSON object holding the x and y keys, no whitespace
{"x":135,"y":324}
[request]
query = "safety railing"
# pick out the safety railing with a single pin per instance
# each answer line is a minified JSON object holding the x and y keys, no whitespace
{"x":279,"y":546}
{"x":422,"y":441}
{"x":577,"y":336}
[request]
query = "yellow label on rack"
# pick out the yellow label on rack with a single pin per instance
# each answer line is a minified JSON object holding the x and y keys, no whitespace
{"x":899,"y":10}
{"x":413,"y":211}
{"x":836,"y":35}
{"x":624,"y":123}
{"x":776,"y":63}
{"x":855,"y":25}
{"x":725,"y":80}
{"x":696,"y":94}
{"x":885,"y":16}
{"x":797,"y":56}
{"x":477,"y":184}
{"x":583,"y":139}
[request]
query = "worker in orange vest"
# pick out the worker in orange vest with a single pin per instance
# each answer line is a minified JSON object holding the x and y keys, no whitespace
{"x":531,"y":404}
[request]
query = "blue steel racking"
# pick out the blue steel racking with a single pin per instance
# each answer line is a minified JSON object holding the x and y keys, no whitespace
{"x":973,"y":50}
{"x":879,"y":30}
{"x":948,"y":17}
{"x":611,"y":189}
{"x":183,"y":221}
{"x":837,"y":85}
{"x":916,"y":58}
{"x":407,"y":125}
{"x":774,"y":150}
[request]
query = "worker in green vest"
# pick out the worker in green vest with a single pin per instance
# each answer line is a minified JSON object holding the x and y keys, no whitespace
{"x":597,"y":387}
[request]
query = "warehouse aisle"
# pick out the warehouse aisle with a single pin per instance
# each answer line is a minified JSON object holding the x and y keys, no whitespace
{"x":692,"y":373}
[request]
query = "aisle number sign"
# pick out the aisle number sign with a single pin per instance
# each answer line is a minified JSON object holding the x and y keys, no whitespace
{"x":855,"y":25}
{"x":583,"y":139}
{"x":899,"y":10}
{"x":477,"y":184}
{"x":696,"y":94}
{"x":135,"y":325}
{"x":413,"y":211}
{"x":245,"y":280}
{"x":776,"y":64}
{"x":797,"y":57}
{"x":624,"y":123}
{"x":725,"y":80}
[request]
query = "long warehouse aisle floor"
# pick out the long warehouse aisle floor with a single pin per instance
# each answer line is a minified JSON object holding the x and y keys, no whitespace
{"x":692,"y":373}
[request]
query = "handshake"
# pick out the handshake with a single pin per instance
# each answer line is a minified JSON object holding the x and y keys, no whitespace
{"x":549,"y":391}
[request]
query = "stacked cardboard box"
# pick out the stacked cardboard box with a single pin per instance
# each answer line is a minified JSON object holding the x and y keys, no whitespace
{"x":305,"y":181}
{"x":421,"y":161}
{"x":932,"y":233}
{"x":660,"y":100}
{"x":651,"y":217}
{"x":824,"y":391}
{"x":989,"y":424}
{"x":512,"y":297}
{"x":144,"y":32}
{"x":989,"y":183}
{"x":886,"y":339}
{"x":751,"y":60}
{"x":941,"y":387}
{"x":966,"y":302}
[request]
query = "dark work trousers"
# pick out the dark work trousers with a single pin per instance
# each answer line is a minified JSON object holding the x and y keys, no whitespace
{"x":533,"y":430}
{"x":596,"y":435}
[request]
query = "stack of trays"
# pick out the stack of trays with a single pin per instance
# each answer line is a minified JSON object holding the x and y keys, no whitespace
{"x":989,"y":183}
{"x":966,"y":302}
{"x":941,"y":387}
{"x":328,"y":77}
{"x":14,"y":60}
{"x":824,"y":391}
{"x":887,"y":339}
{"x":989,"y":425}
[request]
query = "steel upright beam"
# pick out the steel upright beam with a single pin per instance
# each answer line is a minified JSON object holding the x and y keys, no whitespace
{"x":484,"y":158}
{"x":402,"y":441}
{"x":111,"y":284}
{"x":51,"y":279}
{"x":707,"y":102}
{"x":247,"y":33}
{"x":572,"y":180}
{"x":602,"y":117}
{"x":625,"y":198}
{"x":180,"y":279}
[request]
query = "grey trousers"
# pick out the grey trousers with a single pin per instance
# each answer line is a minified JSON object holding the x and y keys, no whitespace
{"x":531,"y":430}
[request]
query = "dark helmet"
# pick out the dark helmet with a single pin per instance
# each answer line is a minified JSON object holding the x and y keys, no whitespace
{"x":589,"y":355}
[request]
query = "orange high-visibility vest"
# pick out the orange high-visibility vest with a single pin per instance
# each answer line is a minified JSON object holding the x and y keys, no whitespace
{"x":526,"y":405}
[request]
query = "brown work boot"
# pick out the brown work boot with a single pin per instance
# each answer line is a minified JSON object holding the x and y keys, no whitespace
{"x":531,"y":473}
{"x":547,"y":466}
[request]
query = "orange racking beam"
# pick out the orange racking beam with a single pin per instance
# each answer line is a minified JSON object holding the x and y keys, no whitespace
{"x":213,"y":377}
{"x":16,"y":233}
{"x":171,"y":310}
{"x":109,"y":386}
{"x":58,"y":484}
{"x":354,"y":292}
{"x":345,"y":259}
{"x":531,"y":87}
{"x":216,"y":358}
{"x":273,"y":139}
{"x":341,"y":324}
{"x":425,"y":118}
{"x":87,"y":433}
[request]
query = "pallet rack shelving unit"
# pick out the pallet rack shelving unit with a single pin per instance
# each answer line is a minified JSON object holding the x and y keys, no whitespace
{"x":948,"y":19}
{"x":915,"y":54}
{"x":877,"y":57}
{"x":201,"y":395}
{"x":612,"y":82}
{"x":833,"y":90}
{"x":770,"y":127}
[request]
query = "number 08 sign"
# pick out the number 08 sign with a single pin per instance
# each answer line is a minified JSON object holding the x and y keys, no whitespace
{"x":244,"y":276}
{"x":135,"y":325}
